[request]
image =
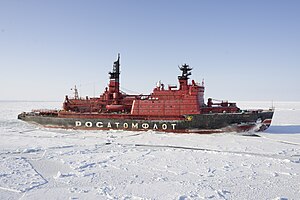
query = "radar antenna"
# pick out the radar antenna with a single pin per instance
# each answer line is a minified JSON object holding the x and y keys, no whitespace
{"x":185,"y":72}
{"x":76,"y":95}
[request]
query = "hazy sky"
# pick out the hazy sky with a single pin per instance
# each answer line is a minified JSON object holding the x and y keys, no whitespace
{"x":245,"y":50}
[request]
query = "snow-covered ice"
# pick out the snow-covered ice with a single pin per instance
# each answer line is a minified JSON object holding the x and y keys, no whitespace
{"x":39,"y":163}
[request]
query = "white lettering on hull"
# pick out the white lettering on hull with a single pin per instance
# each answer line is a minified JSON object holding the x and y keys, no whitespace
{"x":136,"y":125}
{"x":99,"y":124}
{"x":118,"y":125}
{"x":145,"y":126}
{"x":173,"y":126}
{"x":88,"y":124}
{"x":77,"y":123}
{"x":164,"y":126}
{"x":108,"y":125}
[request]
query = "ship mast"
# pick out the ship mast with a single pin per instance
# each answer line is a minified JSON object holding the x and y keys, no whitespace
{"x":115,"y":74}
{"x":76,"y":95}
{"x":183,"y":79}
{"x":114,"y":84}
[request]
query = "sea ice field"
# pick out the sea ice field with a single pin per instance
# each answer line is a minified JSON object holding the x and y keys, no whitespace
{"x":40,"y":163}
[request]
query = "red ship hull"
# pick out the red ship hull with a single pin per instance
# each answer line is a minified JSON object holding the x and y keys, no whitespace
{"x":173,"y":109}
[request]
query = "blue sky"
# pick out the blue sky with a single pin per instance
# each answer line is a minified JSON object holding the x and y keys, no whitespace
{"x":245,"y":50}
